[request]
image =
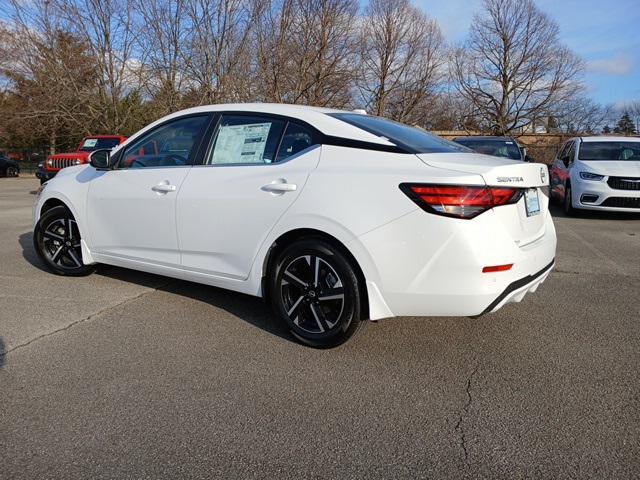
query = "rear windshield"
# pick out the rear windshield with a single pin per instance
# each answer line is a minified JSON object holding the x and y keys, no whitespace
{"x":404,"y":136}
{"x":91,"y":144}
{"x":609,"y":151}
{"x":497,"y":148}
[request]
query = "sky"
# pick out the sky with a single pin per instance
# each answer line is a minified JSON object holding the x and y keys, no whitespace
{"x":606,"y":34}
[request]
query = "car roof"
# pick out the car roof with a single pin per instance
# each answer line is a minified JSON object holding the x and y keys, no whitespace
{"x":610,"y":138}
{"x":314,"y":116}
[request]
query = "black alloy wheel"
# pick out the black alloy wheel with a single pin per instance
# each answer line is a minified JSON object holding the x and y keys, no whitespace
{"x":57,"y":241}
{"x":315,"y":291}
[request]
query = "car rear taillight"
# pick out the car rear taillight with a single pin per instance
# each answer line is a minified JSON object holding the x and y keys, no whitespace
{"x":459,"y":201}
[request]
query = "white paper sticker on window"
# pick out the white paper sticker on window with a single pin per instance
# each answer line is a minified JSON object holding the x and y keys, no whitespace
{"x":241,"y":143}
{"x":90,"y":143}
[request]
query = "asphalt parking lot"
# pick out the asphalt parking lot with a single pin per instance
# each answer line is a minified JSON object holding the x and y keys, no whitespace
{"x":129,"y":375}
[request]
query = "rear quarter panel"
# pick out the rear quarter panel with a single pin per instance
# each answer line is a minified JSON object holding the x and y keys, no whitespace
{"x":353,"y":192}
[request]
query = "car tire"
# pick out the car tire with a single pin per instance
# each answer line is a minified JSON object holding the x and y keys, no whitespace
{"x":315,"y":291}
{"x":56,"y":239}
{"x":568,"y":202}
{"x":11,"y":172}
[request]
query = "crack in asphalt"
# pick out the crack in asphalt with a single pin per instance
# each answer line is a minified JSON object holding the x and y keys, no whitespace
{"x":83,"y":320}
{"x":459,"y":427}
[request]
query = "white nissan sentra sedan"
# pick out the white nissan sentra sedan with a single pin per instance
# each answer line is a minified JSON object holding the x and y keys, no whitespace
{"x":597,"y":173}
{"x":333,"y":217}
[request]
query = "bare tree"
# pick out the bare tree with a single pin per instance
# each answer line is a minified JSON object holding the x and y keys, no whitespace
{"x":580,"y":114}
{"x":272,"y":43}
{"x":108,"y":27}
{"x":513,"y":67}
{"x":305,"y":51}
{"x":322,"y":52}
{"x":401,"y":59}
{"x":162,"y":36}
{"x":217,"y":50}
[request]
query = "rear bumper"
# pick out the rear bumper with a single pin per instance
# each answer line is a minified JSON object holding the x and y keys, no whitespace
{"x":518,"y":289}
{"x":428,"y":265}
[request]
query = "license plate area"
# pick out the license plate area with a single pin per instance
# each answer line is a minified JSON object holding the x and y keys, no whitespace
{"x":532,"y":202}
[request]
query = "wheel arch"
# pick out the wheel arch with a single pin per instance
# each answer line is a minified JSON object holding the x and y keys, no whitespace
{"x":297,"y":234}
{"x":52,"y":203}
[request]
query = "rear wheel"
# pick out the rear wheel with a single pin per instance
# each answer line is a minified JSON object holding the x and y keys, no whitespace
{"x":56,"y":239}
{"x":11,"y":172}
{"x":314,"y":289}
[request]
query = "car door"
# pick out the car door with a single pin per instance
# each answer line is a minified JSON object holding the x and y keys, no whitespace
{"x":132,"y":208}
{"x":253,"y":171}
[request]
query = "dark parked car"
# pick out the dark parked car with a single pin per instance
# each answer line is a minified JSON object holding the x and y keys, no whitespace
{"x":506,"y":147}
{"x":8,"y":167}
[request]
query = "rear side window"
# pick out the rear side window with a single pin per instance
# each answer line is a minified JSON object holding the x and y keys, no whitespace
{"x":243,"y":139}
{"x":296,"y":138}
{"x":409,"y":138}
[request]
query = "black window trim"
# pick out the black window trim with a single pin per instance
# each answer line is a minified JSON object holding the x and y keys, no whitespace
{"x":319,"y":138}
{"x":194,"y":155}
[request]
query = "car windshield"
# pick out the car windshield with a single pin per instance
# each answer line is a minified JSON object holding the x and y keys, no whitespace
{"x":404,"y":136}
{"x":598,"y":151}
{"x":496,"y":148}
{"x":91,"y":144}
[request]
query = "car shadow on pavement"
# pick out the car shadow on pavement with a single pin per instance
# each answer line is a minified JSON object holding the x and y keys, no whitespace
{"x":248,"y":308}
{"x":29,"y":251}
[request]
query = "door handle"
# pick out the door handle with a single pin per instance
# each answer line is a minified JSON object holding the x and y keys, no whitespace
{"x":163,"y":188}
{"x":280,"y":187}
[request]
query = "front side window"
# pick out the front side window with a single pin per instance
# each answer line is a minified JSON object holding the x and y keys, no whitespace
{"x":571,"y":152}
{"x":170,"y":145}
{"x":244,"y":139}
{"x":404,"y":136}
{"x":598,"y":151}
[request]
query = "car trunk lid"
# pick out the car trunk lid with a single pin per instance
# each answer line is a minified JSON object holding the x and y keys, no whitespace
{"x":521,"y":220}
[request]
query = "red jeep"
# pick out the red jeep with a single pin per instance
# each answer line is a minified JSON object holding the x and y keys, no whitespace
{"x":57,"y":162}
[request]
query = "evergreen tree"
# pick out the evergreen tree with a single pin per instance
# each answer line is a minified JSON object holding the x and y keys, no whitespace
{"x":606,"y":130}
{"x":625,"y":125}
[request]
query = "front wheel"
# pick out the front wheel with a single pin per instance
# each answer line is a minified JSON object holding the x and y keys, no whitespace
{"x":11,"y":172}
{"x":314,"y":289}
{"x":56,"y":239}
{"x":568,"y":202}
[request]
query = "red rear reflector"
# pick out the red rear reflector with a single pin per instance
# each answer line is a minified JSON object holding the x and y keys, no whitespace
{"x":497,"y":268}
{"x":459,"y":201}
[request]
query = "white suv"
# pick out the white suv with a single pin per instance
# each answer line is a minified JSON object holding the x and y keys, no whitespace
{"x":597,"y":173}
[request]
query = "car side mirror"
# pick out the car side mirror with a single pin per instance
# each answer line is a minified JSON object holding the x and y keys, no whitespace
{"x":99,"y":159}
{"x":527,"y":158}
